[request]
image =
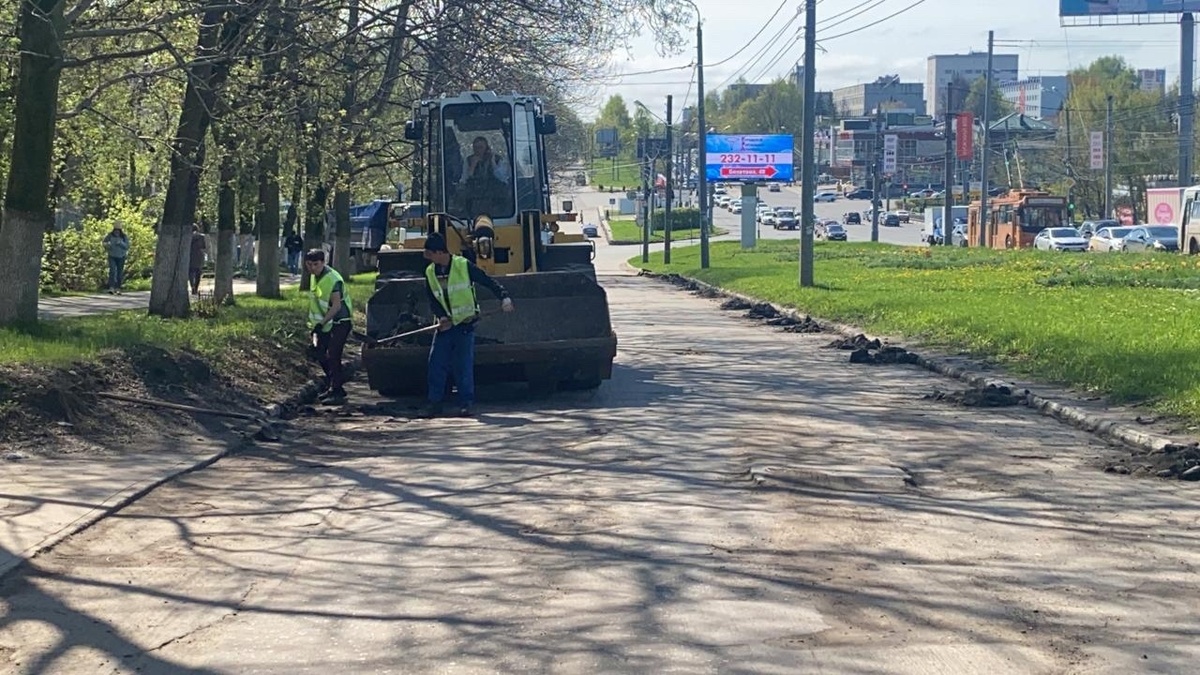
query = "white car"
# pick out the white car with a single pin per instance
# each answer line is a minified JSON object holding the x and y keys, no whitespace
{"x":825,"y":197}
{"x":903,"y":215}
{"x":1109,"y":238}
{"x":1060,"y":239}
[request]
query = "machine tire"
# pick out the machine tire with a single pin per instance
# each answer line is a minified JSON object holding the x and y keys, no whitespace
{"x":1193,"y":247}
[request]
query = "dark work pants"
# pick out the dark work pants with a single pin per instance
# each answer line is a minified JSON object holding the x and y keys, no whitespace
{"x":453,"y":352}
{"x":116,"y":272}
{"x":194,"y":279}
{"x":329,"y":354}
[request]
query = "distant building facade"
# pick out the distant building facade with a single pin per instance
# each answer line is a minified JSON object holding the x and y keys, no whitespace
{"x":942,"y":69}
{"x":1039,"y":97}
{"x":887,"y":93}
{"x":1152,"y":80}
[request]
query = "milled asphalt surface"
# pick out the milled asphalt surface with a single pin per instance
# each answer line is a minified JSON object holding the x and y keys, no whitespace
{"x":734,"y":500}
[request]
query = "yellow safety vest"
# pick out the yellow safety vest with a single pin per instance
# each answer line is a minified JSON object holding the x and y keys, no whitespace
{"x":318,"y":299}
{"x":463,"y":305}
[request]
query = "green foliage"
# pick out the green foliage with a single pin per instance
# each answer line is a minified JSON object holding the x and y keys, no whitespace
{"x":1122,"y":325}
{"x":998,"y":107}
{"x":74,"y":259}
{"x":681,"y":219}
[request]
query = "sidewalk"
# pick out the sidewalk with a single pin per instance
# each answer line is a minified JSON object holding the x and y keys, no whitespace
{"x":98,"y":303}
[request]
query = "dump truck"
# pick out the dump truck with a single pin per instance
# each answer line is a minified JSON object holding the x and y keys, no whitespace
{"x":560,"y":335}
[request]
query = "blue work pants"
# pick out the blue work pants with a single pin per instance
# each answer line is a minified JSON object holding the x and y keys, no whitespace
{"x":453,"y":352}
{"x":116,"y":273}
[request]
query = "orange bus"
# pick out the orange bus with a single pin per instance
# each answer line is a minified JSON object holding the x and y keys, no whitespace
{"x":1016,"y":218}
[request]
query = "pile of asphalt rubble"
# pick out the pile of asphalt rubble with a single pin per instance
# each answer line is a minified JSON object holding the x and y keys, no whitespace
{"x":770,"y":316}
{"x":1173,"y":461}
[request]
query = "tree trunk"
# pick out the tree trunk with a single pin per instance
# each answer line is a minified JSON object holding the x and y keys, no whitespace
{"x":267,"y":281}
{"x":27,"y":209}
{"x":314,"y":206}
{"x":341,"y":194}
{"x":341,"y":241}
{"x":226,"y":225}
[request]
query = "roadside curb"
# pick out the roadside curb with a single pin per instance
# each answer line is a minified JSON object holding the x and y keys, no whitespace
{"x":274,"y":411}
{"x":1106,"y":428}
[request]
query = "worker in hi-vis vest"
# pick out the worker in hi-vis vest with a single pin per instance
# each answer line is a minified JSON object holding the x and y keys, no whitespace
{"x":330,"y":319}
{"x":451,"y":284}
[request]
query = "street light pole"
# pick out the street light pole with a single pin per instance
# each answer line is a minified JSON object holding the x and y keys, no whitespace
{"x":808,"y":173}
{"x":701,"y":142}
{"x":670,"y":186}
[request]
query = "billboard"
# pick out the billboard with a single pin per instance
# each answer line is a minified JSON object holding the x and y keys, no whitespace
{"x":755,"y":158}
{"x":1111,"y":7}
{"x":964,"y":135}
{"x":608,"y":142}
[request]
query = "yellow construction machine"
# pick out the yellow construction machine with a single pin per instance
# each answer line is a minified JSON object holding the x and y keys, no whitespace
{"x":483,"y":176}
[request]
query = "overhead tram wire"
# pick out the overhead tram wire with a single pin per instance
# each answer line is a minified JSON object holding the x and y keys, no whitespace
{"x":751,"y":40}
{"x":758,"y":55}
{"x":872,"y":24}
{"x":864,"y":9}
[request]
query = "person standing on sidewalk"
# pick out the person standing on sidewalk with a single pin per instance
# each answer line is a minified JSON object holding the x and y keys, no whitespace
{"x":196,"y":258}
{"x":116,"y":245}
{"x":329,"y":318}
{"x":451,"y":284}
{"x":294,"y":245}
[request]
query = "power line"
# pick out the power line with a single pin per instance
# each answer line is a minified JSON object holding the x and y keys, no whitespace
{"x":751,"y":40}
{"x":873,"y":23}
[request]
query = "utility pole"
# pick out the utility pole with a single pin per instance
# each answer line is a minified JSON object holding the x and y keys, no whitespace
{"x":1187,"y":101}
{"x":670,"y":183}
{"x":701,"y":141}
{"x":985,"y":148}
{"x":646,"y":210}
{"x":808,"y":173}
{"x":947,"y":213}
{"x":1108,"y":144}
{"x":876,"y":158}
{"x":1070,"y":168}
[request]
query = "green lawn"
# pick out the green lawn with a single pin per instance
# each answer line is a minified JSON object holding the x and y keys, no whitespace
{"x":627,"y":174}
{"x":626,"y":229}
{"x":70,"y":339}
{"x":1127,"y":326}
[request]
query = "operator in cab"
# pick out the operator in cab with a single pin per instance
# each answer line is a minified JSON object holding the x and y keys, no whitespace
{"x":485,"y":185}
{"x":451,"y":285}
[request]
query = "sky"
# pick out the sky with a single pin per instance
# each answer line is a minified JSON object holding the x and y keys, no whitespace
{"x":899,"y":45}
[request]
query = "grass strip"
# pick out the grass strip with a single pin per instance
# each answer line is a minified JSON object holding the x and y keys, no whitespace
{"x":627,"y":231}
{"x":67,"y":340}
{"x":1122,"y":325}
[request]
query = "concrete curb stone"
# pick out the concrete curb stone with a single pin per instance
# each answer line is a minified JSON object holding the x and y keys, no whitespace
{"x":274,"y":411}
{"x":1109,"y":429}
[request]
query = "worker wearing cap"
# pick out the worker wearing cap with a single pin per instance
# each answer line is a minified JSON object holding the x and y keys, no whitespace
{"x":451,"y":285}
{"x":329,"y":318}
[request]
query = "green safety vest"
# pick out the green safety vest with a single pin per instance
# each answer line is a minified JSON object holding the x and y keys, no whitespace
{"x":463,"y":306}
{"x":318,"y":299}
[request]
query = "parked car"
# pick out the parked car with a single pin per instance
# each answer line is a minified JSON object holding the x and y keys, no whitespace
{"x":1109,"y":238}
{"x":773,"y":187}
{"x":903,"y":215}
{"x":785,"y":219}
{"x":852,"y":218}
{"x":830,"y":230}
{"x":825,"y":197}
{"x":1152,"y":238}
{"x":590,"y":230}
{"x":1088,"y":228}
{"x":890,"y":220}
{"x":1060,"y":239}
{"x":922,"y":194}
{"x":859,"y":193}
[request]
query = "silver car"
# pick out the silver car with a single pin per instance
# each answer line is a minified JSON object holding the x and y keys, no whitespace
{"x":1152,"y":238}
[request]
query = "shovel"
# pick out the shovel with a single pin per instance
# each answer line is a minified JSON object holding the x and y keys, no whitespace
{"x":371,"y":342}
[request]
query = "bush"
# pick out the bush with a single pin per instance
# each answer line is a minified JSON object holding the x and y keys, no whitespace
{"x":681,"y":219}
{"x":74,"y":259}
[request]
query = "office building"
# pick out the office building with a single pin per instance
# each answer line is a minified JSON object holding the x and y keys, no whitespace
{"x":942,"y":69}
{"x":886,"y":93}
{"x":1039,"y":98}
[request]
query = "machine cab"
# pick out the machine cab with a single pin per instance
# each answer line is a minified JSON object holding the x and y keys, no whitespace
{"x":483,"y":154}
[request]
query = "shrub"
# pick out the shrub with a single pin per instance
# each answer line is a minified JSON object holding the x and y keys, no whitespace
{"x":74,"y":259}
{"x":681,"y":219}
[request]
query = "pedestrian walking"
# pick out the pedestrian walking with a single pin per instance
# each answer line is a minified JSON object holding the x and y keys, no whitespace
{"x":294,"y":244}
{"x":116,"y":245}
{"x":451,"y":284}
{"x":329,"y":318}
{"x":196,"y":258}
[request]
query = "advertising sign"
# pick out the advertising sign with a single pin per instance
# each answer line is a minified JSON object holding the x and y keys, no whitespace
{"x":1097,"y":149}
{"x":1111,"y":7}
{"x":891,"y":145}
{"x":759,"y":158}
{"x":608,"y":142}
{"x":965,"y":136}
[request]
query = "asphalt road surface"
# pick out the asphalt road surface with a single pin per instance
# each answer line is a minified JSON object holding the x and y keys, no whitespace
{"x":735,"y":500}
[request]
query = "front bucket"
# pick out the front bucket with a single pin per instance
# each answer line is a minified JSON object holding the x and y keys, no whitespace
{"x":560,"y":333}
